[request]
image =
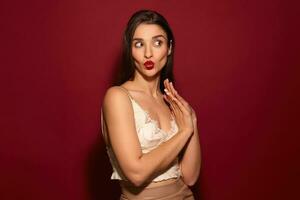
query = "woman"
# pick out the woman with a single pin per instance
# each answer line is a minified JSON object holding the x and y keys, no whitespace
{"x":149,"y":129}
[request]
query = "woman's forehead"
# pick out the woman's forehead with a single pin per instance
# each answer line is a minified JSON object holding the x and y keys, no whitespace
{"x":148,"y":31}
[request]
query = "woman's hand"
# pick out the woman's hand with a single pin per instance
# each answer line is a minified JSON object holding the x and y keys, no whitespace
{"x":184,"y":114}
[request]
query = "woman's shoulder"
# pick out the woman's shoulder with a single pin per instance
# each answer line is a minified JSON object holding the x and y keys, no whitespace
{"x":114,"y":90}
{"x":114,"y":96}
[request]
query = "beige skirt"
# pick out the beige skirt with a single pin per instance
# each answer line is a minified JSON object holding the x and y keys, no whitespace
{"x":176,"y":190}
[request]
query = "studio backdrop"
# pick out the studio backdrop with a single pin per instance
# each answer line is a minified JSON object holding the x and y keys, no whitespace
{"x":236,"y":62}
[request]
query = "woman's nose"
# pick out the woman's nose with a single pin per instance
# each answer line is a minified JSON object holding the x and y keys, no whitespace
{"x":148,"y":52}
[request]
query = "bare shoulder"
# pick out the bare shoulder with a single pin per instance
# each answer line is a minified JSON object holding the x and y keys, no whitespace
{"x":115,"y":97}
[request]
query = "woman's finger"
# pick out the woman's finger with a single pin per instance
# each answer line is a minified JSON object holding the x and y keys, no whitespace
{"x":184,"y":102}
{"x":167,"y":85}
{"x":177,"y":102}
{"x":170,"y":100}
{"x":169,"y":97}
{"x":171,"y":104}
{"x":173,"y":89}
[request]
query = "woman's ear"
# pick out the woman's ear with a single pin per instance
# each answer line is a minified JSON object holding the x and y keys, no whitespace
{"x":170,"y":48}
{"x":170,"y":51}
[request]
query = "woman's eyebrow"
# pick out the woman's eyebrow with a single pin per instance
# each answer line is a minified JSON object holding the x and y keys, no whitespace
{"x":139,"y":39}
{"x":154,"y":37}
{"x":157,"y":36}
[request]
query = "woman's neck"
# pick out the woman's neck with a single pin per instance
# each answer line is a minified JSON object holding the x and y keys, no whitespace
{"x":149,"y":86}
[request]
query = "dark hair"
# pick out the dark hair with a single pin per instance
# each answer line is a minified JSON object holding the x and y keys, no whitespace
{"x":127,"y":68}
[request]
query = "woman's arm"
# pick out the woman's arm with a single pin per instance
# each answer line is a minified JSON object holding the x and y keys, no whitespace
{"x":191,"y":160}
{"x":136,"y":166}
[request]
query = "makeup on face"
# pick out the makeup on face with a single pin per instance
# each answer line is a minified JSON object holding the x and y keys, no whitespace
{"x":149,"y":47}
{"x":149,"y":64}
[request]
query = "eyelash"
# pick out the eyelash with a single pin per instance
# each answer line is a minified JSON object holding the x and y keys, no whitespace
{"x":136,"y":44}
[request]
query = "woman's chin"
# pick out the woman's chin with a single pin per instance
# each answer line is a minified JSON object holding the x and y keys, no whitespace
{"x":150,"y":74}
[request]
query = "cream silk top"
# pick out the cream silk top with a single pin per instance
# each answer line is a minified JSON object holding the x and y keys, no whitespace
{"x":150,"y":137}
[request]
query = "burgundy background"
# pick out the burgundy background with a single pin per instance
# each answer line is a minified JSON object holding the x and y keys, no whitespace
{"x":236,"y":62}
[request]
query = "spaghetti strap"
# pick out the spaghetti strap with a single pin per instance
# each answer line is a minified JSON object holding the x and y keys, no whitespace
{"x":103,"y":130}
{"x":127,"y":92}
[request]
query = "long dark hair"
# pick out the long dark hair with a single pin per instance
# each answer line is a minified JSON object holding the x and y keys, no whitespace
{"x":127,"y":67}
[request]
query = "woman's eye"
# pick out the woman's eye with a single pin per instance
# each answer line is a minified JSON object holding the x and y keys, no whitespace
{"x":138,"y":44}
{"x":157,"y":43}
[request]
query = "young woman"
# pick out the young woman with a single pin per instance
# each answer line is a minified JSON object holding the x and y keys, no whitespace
{"x":149,"y":129}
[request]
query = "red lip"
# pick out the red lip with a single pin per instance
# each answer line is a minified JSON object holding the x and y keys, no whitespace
{"x":149,"y":64}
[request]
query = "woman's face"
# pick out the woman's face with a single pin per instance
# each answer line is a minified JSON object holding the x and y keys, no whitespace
{"x":149,"y":49}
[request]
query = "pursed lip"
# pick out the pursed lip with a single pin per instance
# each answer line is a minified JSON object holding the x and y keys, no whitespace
{"x":149,"y":63}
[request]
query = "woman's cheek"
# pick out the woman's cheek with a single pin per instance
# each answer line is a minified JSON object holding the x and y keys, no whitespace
{"x":137,"y":56}
{"x":163,"y":55}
